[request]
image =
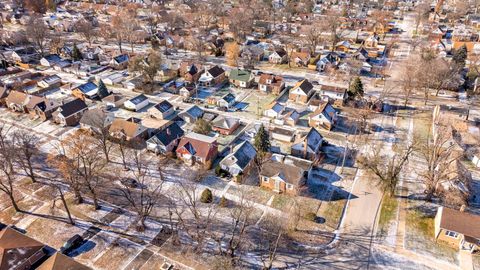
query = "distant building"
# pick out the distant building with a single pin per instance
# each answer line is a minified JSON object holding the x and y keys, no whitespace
{"x":137,"y":103}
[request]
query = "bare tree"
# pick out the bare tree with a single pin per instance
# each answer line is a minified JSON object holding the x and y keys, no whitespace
{"x":86,"y":30}
{"x":408,"y":79}
{"x":37,"y":33}
{"x":386,"y":168}
{"x":61,"y":196}
{"x":147,"y":196}
{"x":7,"y":172}
{"x":100,"y":131}
{"x":273,"y":232}
{"x":26,"y":151}
{"x":68,"y":173}
{"x":148,"y":66}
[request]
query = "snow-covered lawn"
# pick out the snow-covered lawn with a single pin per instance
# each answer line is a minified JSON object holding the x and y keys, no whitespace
{"x":119,"y":254}
{"x":95,"y":246}
{"x":52,"y":232}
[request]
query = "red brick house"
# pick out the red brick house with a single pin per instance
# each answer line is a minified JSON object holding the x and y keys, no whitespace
{"x":196,"y":148}
{"x":225,"y":125}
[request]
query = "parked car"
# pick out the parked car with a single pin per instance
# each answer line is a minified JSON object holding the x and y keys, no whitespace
{"x":71,"y":244}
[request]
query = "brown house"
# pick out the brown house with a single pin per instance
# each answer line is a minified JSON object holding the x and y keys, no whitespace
{"x":196,"y":148}
{"x":271,"y":83}
{"x":127,"y":129}
{"x":301,"y":92}
{"x":190,"y":72}
{"x":18,"y":251}
{"x":225,"y":125}
{"x":282,"y":177}
{"x":70,"y":113}
{"x":58,"y":261}
{"x":457,"y":228}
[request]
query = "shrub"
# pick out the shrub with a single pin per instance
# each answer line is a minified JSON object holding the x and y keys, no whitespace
{"x":223,"y":202}
{"x":218,"y":170}
{"x":311,"y":216}
{"x":207,"y":196}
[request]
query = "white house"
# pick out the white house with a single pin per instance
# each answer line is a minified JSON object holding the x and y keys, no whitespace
{"x":274,"y":110}
{"x":113,"y":78}
{"x":137,"y":103}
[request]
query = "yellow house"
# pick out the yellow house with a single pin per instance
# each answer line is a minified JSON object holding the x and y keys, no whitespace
{"x":457,"y":228}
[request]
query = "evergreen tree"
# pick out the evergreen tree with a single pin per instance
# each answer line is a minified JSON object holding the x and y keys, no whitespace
{"x":262,"y":140}
{"x":356,"y":88}
{"x":102,"y":89}
{"x":459,"y":56}
{"x":207,"y":196}
{"x":76,"y":54}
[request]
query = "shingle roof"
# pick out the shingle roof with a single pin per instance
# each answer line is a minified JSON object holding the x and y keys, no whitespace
{"x":243,"y":154}
{"x":129,"y":128}
{"x":224,"y":122}
{"x":163,"y":106}
{"x":303,"y":85}
{"x":16,"y":247}
{"x":167,"y":135}
{"x":216,"y":71}
{"x":72,"y":107}
{"x":138,"y":99}
{"x":197,"y":143}
{"x":289,"y":173}
{"x":59,"y":261}
{"x":460,"y":222}
{"x":87,"y":87}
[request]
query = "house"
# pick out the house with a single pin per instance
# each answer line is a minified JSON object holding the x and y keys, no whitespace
{"x":25,"y":55}
{"x":113,"y":101}
{"x":58,"y":261}
{"x":457,"y":228}
{"x":333,"y":93}
{"x":278,"y":57}
{"x":241,"y":78}
{"x":190,"y":72}
{"x":282,"y":177}
{"x":282,"y":134}
{"x":192,"y":114}
{"x":301,"y":92}
{"x":113,"y":78}
{"x":324,"y":116}
{"x":300,"y":59}
{"x":225,"y":125}
{"x":70,"y":113}
{"x":166,"y":140}
{"x":137,"y":103}
{"x":16,"y":101}
{"x":240,"y":160}
{"x":227,"y":101}
{"x":308,"y":146}
{"x":212,"y":76}
{"x":187,"y":90}
{"x":120,"y":61}
{"x":44,"y":110}
{"x":327,"y":61}
{"x":127,"y":129}
{"x":18,"y":251}
{"x":50,"y":82}
{"x":271,"y":83}
{"x":274,"y":110}
{"x":161,"y":110}
{"x":50,"y":60}
{"x":96,"y":120}
{"x":288,"y":116}
{"x":253,"y":52}
{"x":196,"y":148}
{"x":343,"y":46}
{"x":87,"y":90}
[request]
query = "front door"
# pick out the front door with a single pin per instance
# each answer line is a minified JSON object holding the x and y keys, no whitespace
{"x":277,"y":185}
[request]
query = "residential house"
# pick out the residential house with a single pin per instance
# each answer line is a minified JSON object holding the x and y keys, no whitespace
{"x":96,"y":120}
{"x":227,"y":101}
{"x":50,"y":60}
{"x":44,"y":110}
{"x":282,"y":177}
{"x":300,"y":59}
{"x":190,"y":72}
{"x":187,"y":90}
{"x":192,"y":114}
{"x":301,"y":91}
{"x":113,"y":78}
{"x":120,"y":61}
{"x":161,"y":110}
{"x":253,"y":52}
{"x":19,"y":251}
{"x":127,"y":129}
{"x":343,"y":46}
{"x":70,"y":113}
{"x":25,"y":55}
{"x":16,"y":101}
{"x":278,"y":57}
{"x":196,"y":148}
{"x":225,"y":125}
{"x":240,"y":160}
{"x":241,"y":78}
{"x":271,"y":83}
{"x":329,"y":60}
{"x":166,"y":140}
{"x":58,"y":261}
{"x":137,"y":103}
{"x":282,"y":134}
{"x":333,"y":93}
{"x":324,"y":116}
{"x":457,"y":228}
{"x":308,"y":146}
{"x":274,"y":110}
{"x":212,"y":76}
{"x":87,"y":90}
{"x":49,"y":82}
{"x":288,"y":116}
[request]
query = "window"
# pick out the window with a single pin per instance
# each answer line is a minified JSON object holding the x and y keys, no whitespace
{"x":289,"y":186}
{"x":265,"y":179}
{"x":451,"y":234}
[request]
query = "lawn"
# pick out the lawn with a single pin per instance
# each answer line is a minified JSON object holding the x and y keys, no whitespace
{"x":332,"y":211}
{"x":388,"y":212}
{"x":419,"y":236}
{"x":121,"y":252}
{"x":422,"y":125}
{"x":258,"y":101}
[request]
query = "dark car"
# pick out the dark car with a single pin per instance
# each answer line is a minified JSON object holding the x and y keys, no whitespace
{"x":71,"y":244}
